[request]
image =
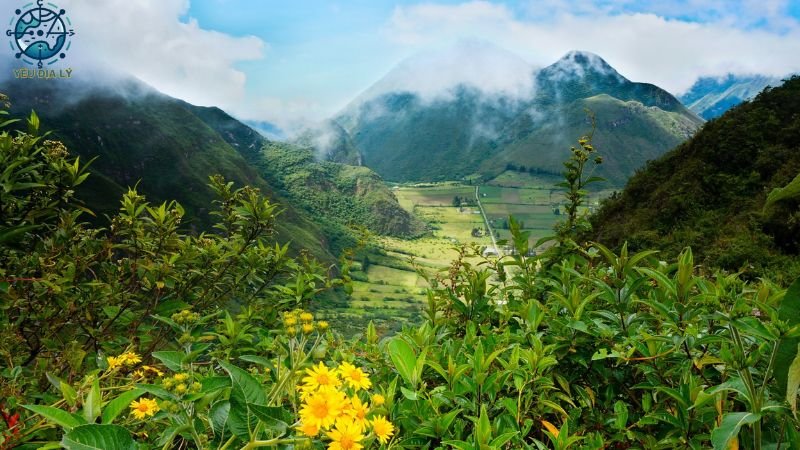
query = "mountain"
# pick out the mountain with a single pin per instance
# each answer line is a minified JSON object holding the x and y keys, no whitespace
{"x":170,"y":148}
{"x":709,"y":192}
{"x":481,"y":125}
{"x":330,"y":142}
{"x":710,"y":97}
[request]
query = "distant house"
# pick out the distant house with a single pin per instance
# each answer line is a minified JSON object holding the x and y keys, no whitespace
{"x":490,"y":251}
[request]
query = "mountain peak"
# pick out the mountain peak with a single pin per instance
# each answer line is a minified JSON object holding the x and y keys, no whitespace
{"x":579,"y":64}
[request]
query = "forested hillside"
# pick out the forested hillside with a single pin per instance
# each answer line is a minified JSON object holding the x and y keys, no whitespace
{"x":710,"y":192}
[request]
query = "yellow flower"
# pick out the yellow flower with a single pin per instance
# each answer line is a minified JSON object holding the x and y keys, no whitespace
{"x":290,"y":321}
{"x":382,"y":428}
{"x":322,"y":325}
{"x":322,"y":409}
{"x":179,"y":377}
{"x":180,"y":388}
{"x":308,"y":429}
{"x":154,"y":370}
{"x":358,"y":412}
{"x":320,"y":376}
{"x":378,"y":400}
{"x":308,"y":328}
{"x":354,"y":376}
{"x":130,"y":358}
{"x":346,"y":436}
{"x":114,"y":362}
{"x":138,"y":373}
{"x":145,"y":407}
{"x":306,"y":317}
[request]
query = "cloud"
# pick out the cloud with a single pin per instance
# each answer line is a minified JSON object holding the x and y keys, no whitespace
{"x":148,"y":39}
{"x":474,"y":63}
{"x":669,"y":52}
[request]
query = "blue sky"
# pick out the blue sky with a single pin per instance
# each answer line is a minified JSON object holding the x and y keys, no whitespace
{"x":292,"y":62}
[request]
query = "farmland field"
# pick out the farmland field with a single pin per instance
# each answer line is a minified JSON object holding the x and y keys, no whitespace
{"x":390,"y":291}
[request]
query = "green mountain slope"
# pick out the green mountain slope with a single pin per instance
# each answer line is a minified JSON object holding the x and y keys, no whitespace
{"x":170,"y":148}
{"x":709,"y":192}
{"x":405,"y":136}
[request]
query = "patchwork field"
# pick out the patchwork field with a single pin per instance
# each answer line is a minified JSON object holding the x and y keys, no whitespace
{"x":389,"y":290}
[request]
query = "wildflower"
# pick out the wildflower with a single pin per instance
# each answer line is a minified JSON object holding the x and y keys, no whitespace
{"x":358,"y":412}
{"x":308,"y":328}
{"x":378,"y":400}
{"x":153,"y":370}
{"x":308,"y":429}
{"x":346,"y":436}
{"x":290,"y":321}
{"x":138,"y":373}
{"x":145,"y":407}
{"x":354,"y":376}
{"x":382,"y":428}
{"x":130,"y":358}
{"x":320,"y":376}
{"x":179,"y":377}
{"x":322,"y":325}
{"x":306,"y":317}
{"x":180,"y":388}
{"x":322,"y":409}
{"x":114,"y":362}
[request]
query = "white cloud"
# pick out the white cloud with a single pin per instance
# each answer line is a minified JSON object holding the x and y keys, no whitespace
{"x":147,"y":39}
{"x":670,"y":53}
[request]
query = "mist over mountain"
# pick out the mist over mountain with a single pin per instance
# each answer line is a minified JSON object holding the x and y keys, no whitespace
{"x":710,"y":97}
{"x":522,"y":116}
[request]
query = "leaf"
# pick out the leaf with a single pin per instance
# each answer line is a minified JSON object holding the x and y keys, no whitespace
{"x":119,"y":404}
{"x":793,"y":382}
{"x":218,"y":416}
{"x":550,"y":427}
{"x":404,"y":359}
{"x":729,"y":428}
{"x":244,"y":390}
{"x":10,"y":235}
{"x":788,"y":311}
{"x":170,"y":359}
{"x":98,"y":437}
{"x":273,"y":417}
{"x":621,"y":415}
{"x":91,"y":405}
{"x":56,"y":416}
{"x":791,"y":190}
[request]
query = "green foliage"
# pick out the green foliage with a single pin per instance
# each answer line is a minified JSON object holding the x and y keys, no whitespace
{"x":199,"y":338}
{"x":710,"y":193}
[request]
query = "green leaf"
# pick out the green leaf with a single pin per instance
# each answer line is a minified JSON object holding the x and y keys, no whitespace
{"x":91,"y":405}
{"x":56,"y":416}
{"x":791,"y":190}
{"x":98,"y":437}
{"x":218,"y":416}
{"x":729,"y":428}
{"x":789,"y":311}
{"x":13,"y":234}
{"x":404,"y":359}
{"x":621,"y":415}
{"x":119,"y":404}
{"x":170,"y":359}
{"x":273,"y":417}
{"x":244,"y":390}
{"x":794,"y":382}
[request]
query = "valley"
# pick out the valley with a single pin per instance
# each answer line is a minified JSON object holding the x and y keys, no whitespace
{"x":388,"y":287}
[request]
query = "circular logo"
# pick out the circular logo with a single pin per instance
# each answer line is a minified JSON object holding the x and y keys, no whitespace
{"x":40,"y":33}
